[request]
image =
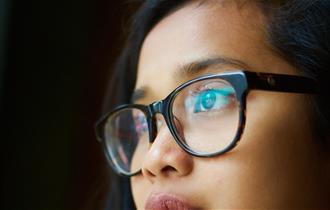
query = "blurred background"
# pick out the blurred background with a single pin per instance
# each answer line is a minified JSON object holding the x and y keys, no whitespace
{"x":55,"y":61}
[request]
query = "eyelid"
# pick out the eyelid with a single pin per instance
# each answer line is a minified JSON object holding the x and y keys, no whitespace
{"x":213,"y":85}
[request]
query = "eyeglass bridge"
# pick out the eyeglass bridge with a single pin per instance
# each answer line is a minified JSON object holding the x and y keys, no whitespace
{"x":156,"y":107}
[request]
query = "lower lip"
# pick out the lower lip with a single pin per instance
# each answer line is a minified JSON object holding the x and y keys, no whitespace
{"x":166,"y":202}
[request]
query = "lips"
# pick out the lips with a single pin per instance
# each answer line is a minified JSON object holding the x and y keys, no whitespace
{"x":167,"y":202}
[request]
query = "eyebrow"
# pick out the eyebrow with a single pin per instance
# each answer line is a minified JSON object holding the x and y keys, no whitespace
{"x":193,"y":68}
{"x":198,"y":66}
{"x":138,"y":94}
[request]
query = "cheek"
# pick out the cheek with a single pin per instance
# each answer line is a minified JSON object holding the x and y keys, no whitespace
{"x":226,"y":181}
{"x":277,"y":123}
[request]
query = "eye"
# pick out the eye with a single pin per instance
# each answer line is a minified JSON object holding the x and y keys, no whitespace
{"x":141,"y":124}
{"x":210,"y":99}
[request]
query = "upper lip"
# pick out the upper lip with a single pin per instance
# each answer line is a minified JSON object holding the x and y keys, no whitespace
{"x":162,"y":201}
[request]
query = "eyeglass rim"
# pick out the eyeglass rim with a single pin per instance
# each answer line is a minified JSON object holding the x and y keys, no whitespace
{"x":240,"y":85}
{"x":241,"y":80}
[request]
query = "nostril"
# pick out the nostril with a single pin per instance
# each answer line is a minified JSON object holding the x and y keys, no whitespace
{"x":168,"y":169}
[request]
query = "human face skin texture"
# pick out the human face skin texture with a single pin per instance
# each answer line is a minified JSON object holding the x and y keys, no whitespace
{"x":276,"y":165}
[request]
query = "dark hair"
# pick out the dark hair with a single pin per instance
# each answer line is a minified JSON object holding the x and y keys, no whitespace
{"x":298,"y":30}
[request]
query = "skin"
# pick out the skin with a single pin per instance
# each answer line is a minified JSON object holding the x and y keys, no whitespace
{"x":277,"y":164}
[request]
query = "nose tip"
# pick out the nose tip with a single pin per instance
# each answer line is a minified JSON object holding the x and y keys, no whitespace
{"x":165,"y":157}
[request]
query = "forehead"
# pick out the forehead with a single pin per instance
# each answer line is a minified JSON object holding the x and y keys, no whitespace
{"x":201,"y":31}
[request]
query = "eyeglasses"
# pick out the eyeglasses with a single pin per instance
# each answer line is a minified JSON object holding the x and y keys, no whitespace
{"x":206,"y":117}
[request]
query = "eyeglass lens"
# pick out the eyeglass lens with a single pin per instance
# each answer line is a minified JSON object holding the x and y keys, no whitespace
{"x":208,"y":112}
{"x":127,"y":139}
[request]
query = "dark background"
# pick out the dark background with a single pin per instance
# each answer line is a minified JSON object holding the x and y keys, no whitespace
{"x":55,"y":61}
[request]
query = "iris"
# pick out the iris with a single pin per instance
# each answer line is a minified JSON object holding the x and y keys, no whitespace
{"x":212,"y":99}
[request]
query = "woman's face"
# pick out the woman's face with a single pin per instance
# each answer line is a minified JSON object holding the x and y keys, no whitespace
{"x":277,"y":163}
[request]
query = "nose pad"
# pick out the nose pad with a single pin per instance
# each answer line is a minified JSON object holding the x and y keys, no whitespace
{"x":158,"y":122}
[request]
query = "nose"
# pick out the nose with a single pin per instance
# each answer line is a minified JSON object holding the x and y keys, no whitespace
{"x":165,"y":157}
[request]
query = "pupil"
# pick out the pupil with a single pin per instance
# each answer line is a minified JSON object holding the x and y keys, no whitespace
{"x":208,"y":100}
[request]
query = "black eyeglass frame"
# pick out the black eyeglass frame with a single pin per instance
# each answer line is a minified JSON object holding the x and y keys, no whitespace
{"x":242,"y":81}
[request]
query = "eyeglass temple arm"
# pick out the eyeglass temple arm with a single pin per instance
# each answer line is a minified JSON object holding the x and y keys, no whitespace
{"x":281,"y":82}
